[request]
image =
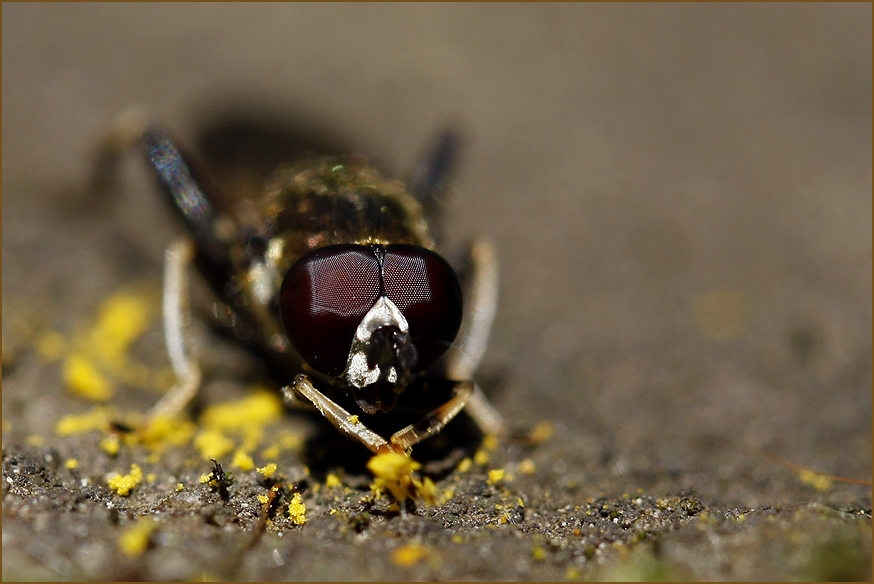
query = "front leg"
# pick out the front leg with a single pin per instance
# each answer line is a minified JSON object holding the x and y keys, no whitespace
{"x":343,"y":420}
{"x":435,"y":421}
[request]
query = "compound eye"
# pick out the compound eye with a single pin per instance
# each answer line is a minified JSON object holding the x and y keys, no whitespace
{"x":323,"y":298}
{"x":426,"y":290}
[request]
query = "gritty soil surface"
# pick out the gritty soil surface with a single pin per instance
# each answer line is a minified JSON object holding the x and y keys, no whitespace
{"x":681,"y":200}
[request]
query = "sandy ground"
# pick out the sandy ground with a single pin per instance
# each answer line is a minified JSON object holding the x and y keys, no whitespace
{"x":681,"y":200}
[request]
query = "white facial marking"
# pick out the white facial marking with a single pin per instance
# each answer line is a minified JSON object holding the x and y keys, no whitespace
{"x":384,"y":313}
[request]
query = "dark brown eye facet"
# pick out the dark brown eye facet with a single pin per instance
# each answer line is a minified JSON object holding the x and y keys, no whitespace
{"x":323,"y":298}
{"x":326,"y":294}
{"x":425,"y":289}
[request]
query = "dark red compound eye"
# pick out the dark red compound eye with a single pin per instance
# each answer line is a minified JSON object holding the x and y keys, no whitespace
{"x":323,"y":298}
{"x":425,"y":289}
{"x":327,"y":293}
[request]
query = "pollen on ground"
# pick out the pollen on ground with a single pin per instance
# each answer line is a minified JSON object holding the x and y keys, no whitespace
{"x":98,"y":355}
{"x":409,"y":555}
{"x":135,"y":539}
{"x":95,"y":419}
{"x":110,"y":444}
{"x":242,"y":461}
{"x":297,"y":511}
{"x":496,"y":476}
{"x":123,"y":484}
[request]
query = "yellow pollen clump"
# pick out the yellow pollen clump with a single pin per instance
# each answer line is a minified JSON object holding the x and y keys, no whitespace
{"x":409,"y":555}
{"x":297,"y":511}
{"x":95,"y":419}
{"x":496,"y":475}
{"x":527,"y":467}
{"x":135,"y":539}
{"x":84,"y":378}
{"x":242,"y":461}
{"x":213,"y":443}
{"x":165,"y":431}
{"x":394,"y":471}
{"x":268,"y":469}
{"x":100,"y":352}
{"x":123,"y":484}
{"x":110,"y":444}
{"x":261,"y":407}
{"x":816,"y":480}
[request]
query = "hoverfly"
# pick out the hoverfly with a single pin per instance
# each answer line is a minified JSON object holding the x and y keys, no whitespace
{"x":330,"y":274}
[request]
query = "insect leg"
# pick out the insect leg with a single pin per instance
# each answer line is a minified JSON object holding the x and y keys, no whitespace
{"x":343,"y":420}
{"x":432,"y":175}
{"x":463,"y":358}
{"x":435,"y":421}
{"x":192,"y":200}
{"x":177,"y":318}
{"x":481,"y":303}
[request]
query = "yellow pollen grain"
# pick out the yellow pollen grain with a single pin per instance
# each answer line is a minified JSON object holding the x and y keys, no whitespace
{"x":268,"y":469}
{"x":490,"y":443}
{"x":71,"y":463}
{"x":815,"y":480}
{"x":481,"y":458}
{"x":134,"y":540}
{"x":527,"y":467}
{"x":110,"y":444}
{"x":122,"y":318}
{"x":270,"y":451}
{"x":332,"y":480}
{"x":35,"y":440}
{"x":428,"y":491}
{"x":213,"y":443}
{"x":496,"y":475}
{"x":394,"y":472}
{"x":261,"y":407}
{"x":123,"y":484}
{"x":409,"y":555}
{"x":94,"y":419}
{"x":465,"y":465}
{"x":297,"y":511}
{"x":242,"y":461}
{"x":179,"y":487}
{"x":85,"y":379}
{"x":164,"y":431}
{"x":542,"y":432}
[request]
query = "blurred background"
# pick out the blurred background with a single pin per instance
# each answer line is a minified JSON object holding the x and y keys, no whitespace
{"x":680,"y":196}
